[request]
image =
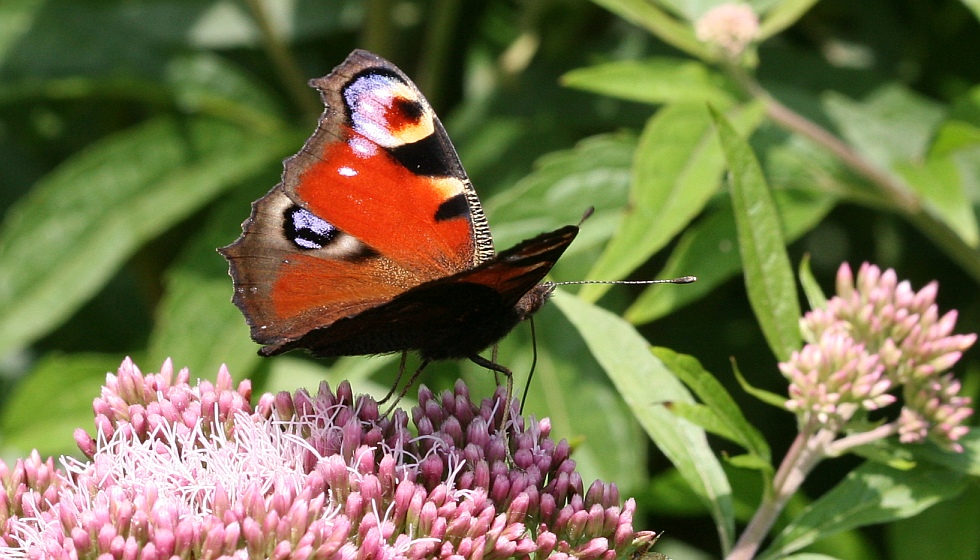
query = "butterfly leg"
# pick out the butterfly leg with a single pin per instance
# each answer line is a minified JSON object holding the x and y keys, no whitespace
{"x":401,"y":371}
{"x":497,"y":368}
{"x":493,"y":359}
{"x":411,"y":381}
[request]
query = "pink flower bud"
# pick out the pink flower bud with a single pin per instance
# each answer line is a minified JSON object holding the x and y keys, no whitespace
{"x":730,"y":27}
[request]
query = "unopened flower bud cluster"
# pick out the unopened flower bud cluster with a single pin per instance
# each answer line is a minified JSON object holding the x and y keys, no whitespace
{"x":875,"y":336}
{"x":186,"y":471}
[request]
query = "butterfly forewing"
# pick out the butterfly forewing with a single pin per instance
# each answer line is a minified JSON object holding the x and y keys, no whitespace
{"x":381,"y":168}
{"x":375,"y":240}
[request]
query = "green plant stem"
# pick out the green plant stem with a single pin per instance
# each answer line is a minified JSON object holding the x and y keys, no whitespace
{"x":897,"y":193}
{"x":808,"y":449}
{"x":286,"y":66}
{"x":377,"y":33}
{"x":845,"y":444}
{"x":442,"y":25}
{"x":893,"y":192}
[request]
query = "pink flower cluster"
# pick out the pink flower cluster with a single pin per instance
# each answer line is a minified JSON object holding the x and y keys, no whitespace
{"x":195,"y":472}
{"x":875,"y":335}
{"x":730,"y":27}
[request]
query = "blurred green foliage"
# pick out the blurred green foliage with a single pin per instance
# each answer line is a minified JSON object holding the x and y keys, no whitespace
{"x":134,"y":135}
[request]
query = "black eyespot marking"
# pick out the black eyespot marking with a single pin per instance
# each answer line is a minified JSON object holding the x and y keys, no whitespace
{"x":362,"y":253}
{"x":410,"y":110}
{"x":453,"y":207}
{"x":365,"y":82}
{"x":427,"y":157}
{"x":306,"y":230}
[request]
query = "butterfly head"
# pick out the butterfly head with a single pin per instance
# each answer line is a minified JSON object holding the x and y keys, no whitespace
{"x":534,"y":300}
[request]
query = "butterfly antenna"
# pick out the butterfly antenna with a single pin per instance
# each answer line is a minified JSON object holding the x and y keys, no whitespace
{"x":534,"y":363}
{"x":588,"y":212}
{"x":681,"y":280}
{"x":411,"y":381}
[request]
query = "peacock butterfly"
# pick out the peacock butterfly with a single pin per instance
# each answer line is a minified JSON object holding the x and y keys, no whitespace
{"x":375,"y":241}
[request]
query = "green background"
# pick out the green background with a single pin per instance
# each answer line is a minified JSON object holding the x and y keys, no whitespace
{"x":134,"y":135}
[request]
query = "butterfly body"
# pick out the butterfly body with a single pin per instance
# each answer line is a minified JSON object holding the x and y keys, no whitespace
{"x":375,"y":240}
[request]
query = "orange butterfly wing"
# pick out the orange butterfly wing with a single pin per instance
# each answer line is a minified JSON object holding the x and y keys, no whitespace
{"x":382,"y":169}
{"x":382,"y":176}
{"x":452,"y":317}
{"x":375,"y":240}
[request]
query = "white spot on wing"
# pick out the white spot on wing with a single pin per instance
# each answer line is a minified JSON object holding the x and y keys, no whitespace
{"x":362,"y":146}
{"x":347,"y":171}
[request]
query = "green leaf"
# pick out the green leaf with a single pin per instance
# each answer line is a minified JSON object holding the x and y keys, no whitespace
{"x":974,"y":6}
{"x":672,"y":496}
{"x":783,"y":15}
{"x":809,"y":556}
{"x":660,"y":23}
{"x":735,"y":426}
{"x":750,"y":461}
{"x":15,"y":23}
{"x":62,"y":386}
{"x":77,"y":226}
{"x":567,"y":381}
{"x":105,"y":37}
{"x":196,"y":323}
{"x":887,"y":452}
{"x":954,"y":136}
{"x":232,"y":25}
{"x":704,"y":417}
{"x":811,"y":288}
{"x":938,"y":181}
{"x":676,"y":170}
{"x":768,"y":274}
{"x":596,"y":172}
{"x":138,"y":38}
{"x":200,"y":84}
{"x":205,"y":83}
{"x":871,"y":494}
{"x":708,"y":250}
{"x":199,"y":328}
{"x":966,"y":462}
{"x":657,"y":80}
{"x":773,"y":399}
{"x":892,"y":124}
{"x":955,"y":520}
{"x":644,"y":381}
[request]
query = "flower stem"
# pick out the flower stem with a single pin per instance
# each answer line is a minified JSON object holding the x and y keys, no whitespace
{"x":808,"y":449}
{"x":845,"y":444}
{"x":892,"y":190}
{"x":895,"y":191}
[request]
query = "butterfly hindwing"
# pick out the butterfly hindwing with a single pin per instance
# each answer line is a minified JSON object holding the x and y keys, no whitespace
{"x":293,"y":270}
{"x":452,"y":317}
